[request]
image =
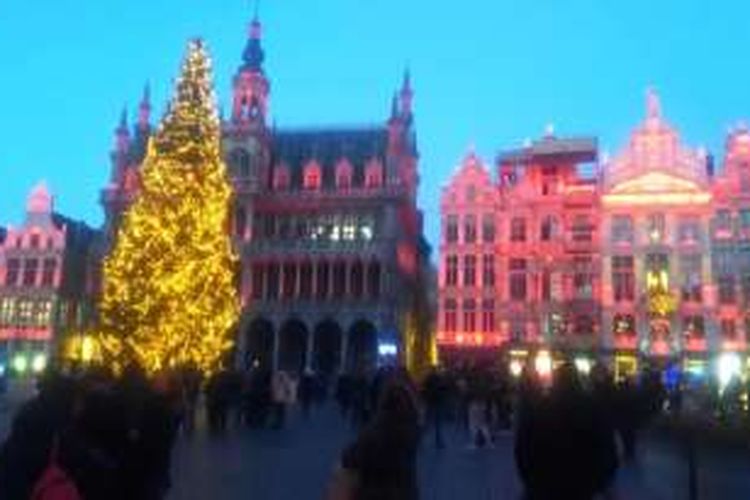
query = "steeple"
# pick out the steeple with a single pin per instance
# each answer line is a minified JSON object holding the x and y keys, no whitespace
{"x":653,"y":105}
{"x":251,"y":87}
{"x":406,"y":94}
{"x":253,"y":54}
{"x":394,"y":107}
{"x":122,"y":134}
{"x":144,"y":108}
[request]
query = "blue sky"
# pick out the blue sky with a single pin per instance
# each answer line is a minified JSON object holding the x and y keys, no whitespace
{"x":489,"y":73}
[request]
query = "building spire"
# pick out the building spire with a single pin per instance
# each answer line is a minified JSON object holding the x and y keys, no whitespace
{"x":406,"y":94}
{"x":144,"y":108}
{"x":122,"y":134}
{"x":253,"y":54}
{"x":653,"y":104}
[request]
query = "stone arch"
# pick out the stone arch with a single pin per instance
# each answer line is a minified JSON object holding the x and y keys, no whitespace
{"x":293,"y":345}
{"x":259,"y":344}
{"x":327,"y":347}
{"x":362,"y":347}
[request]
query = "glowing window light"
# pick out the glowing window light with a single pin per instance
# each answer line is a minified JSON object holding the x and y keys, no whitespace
{"x":366,"y":232}
{"x":387,"y":349}
{"x":583,"y":365}
{"x":460,"y":338}
{"x":2,"y":369}
{"x":20,"y":363}
{"x":87,"y":349}
{"x":516,"y":368}
{"x":38,"y":362}
{"x":479,"y":339}
{"x":729,"y":367}
{"x":543,"y":363}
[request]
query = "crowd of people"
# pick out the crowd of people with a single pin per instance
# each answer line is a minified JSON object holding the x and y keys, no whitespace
{"x":112,"y":437}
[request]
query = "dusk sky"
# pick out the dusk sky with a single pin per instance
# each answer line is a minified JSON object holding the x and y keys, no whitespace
{"x":488,"y":73}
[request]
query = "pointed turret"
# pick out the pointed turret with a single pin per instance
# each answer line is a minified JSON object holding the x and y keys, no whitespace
{"x":251,"y":86}
{"x":406,"y":94}
{"x":144,"y":108}
{"x":122,"y":134}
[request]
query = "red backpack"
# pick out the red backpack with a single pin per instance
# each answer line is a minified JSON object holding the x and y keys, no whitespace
{"x":55,"y":483}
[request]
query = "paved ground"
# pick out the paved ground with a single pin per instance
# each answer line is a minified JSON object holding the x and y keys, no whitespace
{"x":295,"y":464}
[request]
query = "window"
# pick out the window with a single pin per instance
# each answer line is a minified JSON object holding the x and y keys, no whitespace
{"x":13,"y":271}
{"x":29,"y":272}
{"x":50,"y":243}
{"x":272,"y":285}
{"x":622,"y":229}
{"x":517,"y":277}
{"x":285,"y":225}
{"x":583,"y":279}
{"x":728,"y":329}
{"x":488,"y":315}
{"x":7,"y":311}
{"x":623,"y":325}
{"x":656,"y":228}
{"x":583,"y":324}
{"x":727,"y":293}
{"x":623,"y":278}
{"x":518,"y":229}
{"x":373,"y":280}
{"x":689,"y":229}
{"x":546,"y":285}
{"x":451,"y":229}
{"x":469,"y":315}
{"x":693,"y":327}
{"x":471,"y":193}
{"x":240,"y":221}
{"x":374,"y":175}
{"x":289,"y":283}
{"x":488,"y":271}
{"x":470,"y":264}
{"x":305,"y":280}
{"x":488,"y":228}
{"x":339,"y":279}
{"x":356,"y":280}
{"x":48,"y":272}
{"x":313,"y":177}
{"x":239,"y":161}
{"x":256,"y":284}
{"x":745,"y":223}
{"x":746,"y":290}
{"x":43,"y":313}
{"x":344,"y":175}
{"x":281,"y":177}
{"x":25,"y":312}
{"x":470,"y":229}
{"x":723,"y":224}
{"x":451,"y":270}
{"x":269,"y":226}
{"x":582,"y":229}
{"x":322,"y":280}
{"x":744,"y":177}
{"x":34,"y":242}
{"x":690,"y":270}
{"x":548,"y":229}
{"x":450,"y":315}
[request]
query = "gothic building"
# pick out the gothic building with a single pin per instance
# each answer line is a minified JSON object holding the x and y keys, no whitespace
{"x":42,"y":281}
{"x":324,"y":219}
{"x":646,"y":258}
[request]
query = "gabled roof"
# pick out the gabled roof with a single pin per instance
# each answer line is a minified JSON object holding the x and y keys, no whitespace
{"x":574,"y":149}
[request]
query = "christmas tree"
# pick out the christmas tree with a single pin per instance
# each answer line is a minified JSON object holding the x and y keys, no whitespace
{"x":169,"y":299}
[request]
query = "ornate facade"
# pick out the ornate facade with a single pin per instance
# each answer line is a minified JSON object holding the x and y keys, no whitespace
{"x":647,"y":257}
{"x":324,"y":219}
{"x":42,"y":281}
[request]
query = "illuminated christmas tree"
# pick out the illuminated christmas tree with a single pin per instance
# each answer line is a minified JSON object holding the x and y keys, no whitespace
{"x":169,"y":298}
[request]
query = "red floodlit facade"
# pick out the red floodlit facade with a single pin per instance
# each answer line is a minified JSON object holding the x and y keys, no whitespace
{"x":646,"y":257}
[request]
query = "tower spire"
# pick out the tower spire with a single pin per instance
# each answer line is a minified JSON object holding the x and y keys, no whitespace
{"x":406,"y":94}
{"x":653,"y":104}
{"x":253,"y":54}
{"x":144,"y":108}
{"x":122,"y":134}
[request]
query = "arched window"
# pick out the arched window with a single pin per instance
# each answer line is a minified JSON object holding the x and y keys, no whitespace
{"x":373,"y":174}
{"x":313,"y":176}
{"x":344,"y":175}
{"x":240,"y":222}
{"x":239,"y":163}
{"x":281,"y":177}
{"x":548,"y":230}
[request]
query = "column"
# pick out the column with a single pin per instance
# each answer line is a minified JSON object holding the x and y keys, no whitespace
{"x":276,"y":347}
{"x":344,"y":348}
{"x":310,"y":350}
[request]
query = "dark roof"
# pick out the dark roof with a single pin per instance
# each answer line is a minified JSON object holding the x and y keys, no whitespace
{"x":81,"y":233}
{"x":296,"y":147}
{"x":576,"y":149}
{"x":3,"y":234}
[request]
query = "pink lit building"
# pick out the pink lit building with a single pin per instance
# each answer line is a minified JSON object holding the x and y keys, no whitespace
{"x":42,"y":279}
{"x":542,"y":257}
